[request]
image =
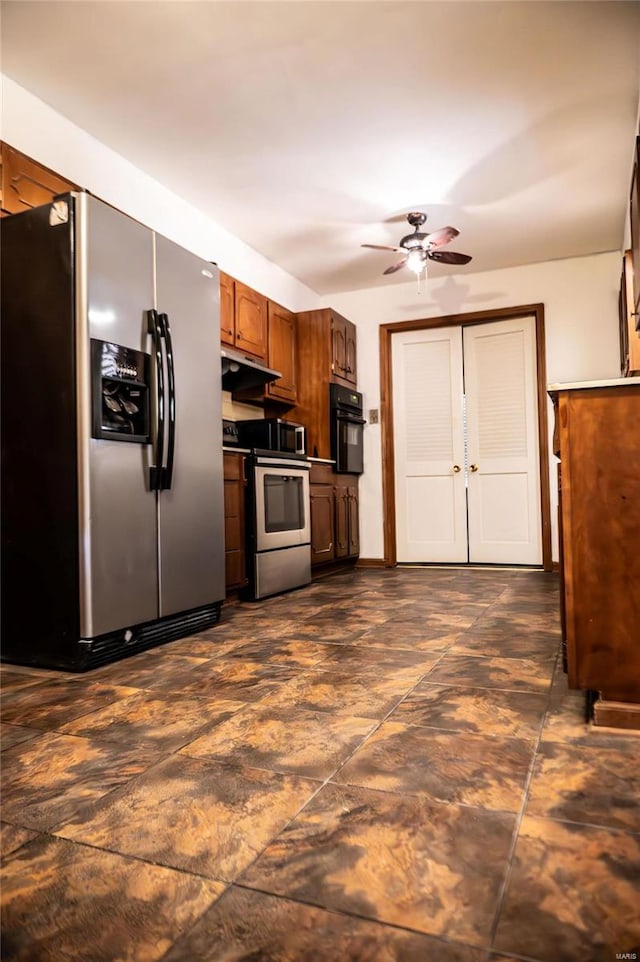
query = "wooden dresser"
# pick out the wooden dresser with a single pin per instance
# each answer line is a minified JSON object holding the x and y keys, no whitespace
{"x":597,"y":439}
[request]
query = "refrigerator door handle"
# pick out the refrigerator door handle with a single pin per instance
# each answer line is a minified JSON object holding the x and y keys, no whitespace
{"x":155,"y":470}
{"x":167,"y":471}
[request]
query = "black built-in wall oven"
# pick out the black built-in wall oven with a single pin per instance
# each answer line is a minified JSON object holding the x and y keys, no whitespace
{"x":347,"y":424}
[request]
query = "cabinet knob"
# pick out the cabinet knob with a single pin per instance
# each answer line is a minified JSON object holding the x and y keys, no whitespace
{"x":474,"y":468}
{"x":456,"y":468}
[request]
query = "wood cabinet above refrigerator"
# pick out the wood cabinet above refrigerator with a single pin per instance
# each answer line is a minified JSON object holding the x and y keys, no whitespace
{"x":27,"y":184}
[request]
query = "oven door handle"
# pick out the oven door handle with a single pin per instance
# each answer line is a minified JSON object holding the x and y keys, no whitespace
{"x":351,"y":418}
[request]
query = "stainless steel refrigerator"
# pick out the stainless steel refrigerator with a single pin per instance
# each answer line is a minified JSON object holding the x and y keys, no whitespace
{"x":112,"y":493}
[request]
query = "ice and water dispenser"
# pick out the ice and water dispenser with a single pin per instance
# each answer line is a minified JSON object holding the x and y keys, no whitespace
{"x":121,"y":388}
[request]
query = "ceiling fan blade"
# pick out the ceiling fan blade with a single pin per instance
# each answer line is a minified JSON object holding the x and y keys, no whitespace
{"x":381,"y":247}
{"x":395,"y":267}
{"x":439,"y":237}
{"x":449,"y":257}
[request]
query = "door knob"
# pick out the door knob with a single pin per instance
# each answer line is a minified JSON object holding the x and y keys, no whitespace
{"x":474,"y":468}
{"x":456,"y":468}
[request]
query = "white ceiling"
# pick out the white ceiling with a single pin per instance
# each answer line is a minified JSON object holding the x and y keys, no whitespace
{"x":308,"y":128}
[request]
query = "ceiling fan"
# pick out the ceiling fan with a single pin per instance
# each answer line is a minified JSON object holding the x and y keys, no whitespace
{"x":418,"y":248}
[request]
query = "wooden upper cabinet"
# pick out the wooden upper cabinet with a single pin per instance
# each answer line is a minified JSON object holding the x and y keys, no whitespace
{"x":343,"y":349}
{"x":350,"y":350}
{"x":326,"y":354}
{"x":27,"y":184}
{"x":227,"y":309}
{"x":251,"y":321}
{"x":282,"y":353}
{"x":243,"y":317}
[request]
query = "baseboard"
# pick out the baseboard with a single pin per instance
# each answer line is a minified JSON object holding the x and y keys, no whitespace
{"x":334,"y":567}
{"x":616,"y":714}
{"x":371,"y":563}
{"x":555,"y":566}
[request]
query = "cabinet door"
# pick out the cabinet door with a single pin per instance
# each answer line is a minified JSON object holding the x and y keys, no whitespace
{"x":227,"y":309}
{"x":342,"y":521}
{"x":634,"y":218}
{"x":351,"y":372}
{"x":343,"y":350}
{"x":338,"y":346}
{"x":26,"y":184}
{"x":354,"y":522}
{"x":282,"y":353}
{"x":234,"y":521}
{"x":322,"y":523}
{"x":251,"y":321}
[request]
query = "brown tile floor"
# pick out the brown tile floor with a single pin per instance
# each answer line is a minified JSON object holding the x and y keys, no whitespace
{"x":385,"y":766}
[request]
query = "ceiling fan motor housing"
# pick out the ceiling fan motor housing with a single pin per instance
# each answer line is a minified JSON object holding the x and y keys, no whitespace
{"x":412,"y":240}
{"x":416,"y":218}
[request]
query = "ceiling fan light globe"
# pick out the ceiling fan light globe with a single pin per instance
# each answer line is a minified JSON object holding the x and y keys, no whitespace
{"x":416,"y":260}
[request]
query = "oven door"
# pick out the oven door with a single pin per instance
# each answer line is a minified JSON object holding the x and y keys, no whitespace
{"x":348,"y":443}
{"x":281,"y":490}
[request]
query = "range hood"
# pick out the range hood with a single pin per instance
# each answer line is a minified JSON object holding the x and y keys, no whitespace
{"x":239,"y":371}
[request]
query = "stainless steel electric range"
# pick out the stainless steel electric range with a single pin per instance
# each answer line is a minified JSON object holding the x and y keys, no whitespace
{"x":278,"y":518}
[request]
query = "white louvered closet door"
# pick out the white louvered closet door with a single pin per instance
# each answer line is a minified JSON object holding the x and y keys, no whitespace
{"x":502,"y":442}
{"x":431,"y":513}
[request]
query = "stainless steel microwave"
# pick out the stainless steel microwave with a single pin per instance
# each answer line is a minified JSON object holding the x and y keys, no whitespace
{"x":272,"y":434}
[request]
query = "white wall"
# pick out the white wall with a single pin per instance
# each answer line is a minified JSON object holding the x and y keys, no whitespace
{"x":580,"y":297}
{"x":30,"y":125}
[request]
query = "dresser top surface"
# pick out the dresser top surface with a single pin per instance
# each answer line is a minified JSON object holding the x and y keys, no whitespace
{"x":607,"y":382}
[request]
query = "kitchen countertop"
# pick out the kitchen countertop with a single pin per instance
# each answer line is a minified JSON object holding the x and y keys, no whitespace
{"x":233,"y":449}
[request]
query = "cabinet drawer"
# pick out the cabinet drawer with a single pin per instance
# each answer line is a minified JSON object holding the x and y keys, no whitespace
{"x":321,"y":474}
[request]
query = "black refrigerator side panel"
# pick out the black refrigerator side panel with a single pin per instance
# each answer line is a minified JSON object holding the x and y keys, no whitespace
{"x":40,"y":584}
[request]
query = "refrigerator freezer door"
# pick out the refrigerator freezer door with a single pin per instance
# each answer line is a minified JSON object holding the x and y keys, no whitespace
{"x":40,"y":540}
{"x":191,"y":512}
{"x":119,"y":552}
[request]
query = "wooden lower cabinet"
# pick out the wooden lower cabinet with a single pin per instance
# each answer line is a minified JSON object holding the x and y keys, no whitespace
{"x":334,"y":515}
{"x":234,"y":521}
{"x":597,"y":438}
{"x":322,"y":523}
{"x":347,"y":534}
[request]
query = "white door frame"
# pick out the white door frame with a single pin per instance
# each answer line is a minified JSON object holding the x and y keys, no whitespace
{"x":386,"y":414}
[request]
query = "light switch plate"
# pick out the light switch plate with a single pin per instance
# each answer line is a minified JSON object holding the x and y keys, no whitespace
{"x":373,"y":416}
